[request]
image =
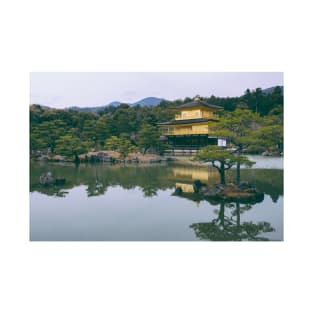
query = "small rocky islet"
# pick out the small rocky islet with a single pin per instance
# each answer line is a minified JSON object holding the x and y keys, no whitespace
{"x":244,"y":192}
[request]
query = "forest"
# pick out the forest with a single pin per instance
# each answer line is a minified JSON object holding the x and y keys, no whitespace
{"x":135,"y":128}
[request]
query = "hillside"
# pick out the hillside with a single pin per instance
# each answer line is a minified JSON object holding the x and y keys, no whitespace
{"x":271,"y":89}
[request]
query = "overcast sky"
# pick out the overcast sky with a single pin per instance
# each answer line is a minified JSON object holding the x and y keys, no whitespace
{"x":61,"y":90}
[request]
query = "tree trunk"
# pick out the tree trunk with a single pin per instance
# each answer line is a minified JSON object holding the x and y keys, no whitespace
{"x":222,"y":173}
{"x":76,"y":159}
{"x":238,"y":213}
{"x":238,"y":174}
{"x":221,"y":214}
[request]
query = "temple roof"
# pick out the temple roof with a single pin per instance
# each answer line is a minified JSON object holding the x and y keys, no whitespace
{"x":188,"y":121}
{"x":196,"y":103}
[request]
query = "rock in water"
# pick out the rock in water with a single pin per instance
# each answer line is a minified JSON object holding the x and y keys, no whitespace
{"x":197,"y":185}
{"x":178,"y":191}
{"x":42,"y":158}
{"x":60,"y":181}
{"x":46,"y":179}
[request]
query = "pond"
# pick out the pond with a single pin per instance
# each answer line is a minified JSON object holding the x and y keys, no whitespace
{"x":136,"y":203}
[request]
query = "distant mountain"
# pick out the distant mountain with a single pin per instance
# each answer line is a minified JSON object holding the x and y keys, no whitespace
{"x":150,"y":101}
{"x":87,"y":109}
{"x":43,"y":107}
{"x":114,"y":103}
{"x":271,"y":89}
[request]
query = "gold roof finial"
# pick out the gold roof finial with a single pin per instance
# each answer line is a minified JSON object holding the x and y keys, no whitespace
{"x":196,"y":98}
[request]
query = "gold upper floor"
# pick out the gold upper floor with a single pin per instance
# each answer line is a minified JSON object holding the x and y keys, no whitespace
{"x":189,"y":129}
{"x":192,"y":118}
{"x":195,"y":113}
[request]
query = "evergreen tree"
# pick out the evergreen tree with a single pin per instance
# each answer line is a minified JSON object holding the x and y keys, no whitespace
{"x":239,"y":127}
{"x":112,"y":143}
{"x":221,"y":159}
{"x":122,"y":145}
{"x":71,"y":146}
{"x":148,"y":137}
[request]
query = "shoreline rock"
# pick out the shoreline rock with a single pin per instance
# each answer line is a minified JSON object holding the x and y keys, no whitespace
{"x":47,"y":179}
{"x":108,"y":157}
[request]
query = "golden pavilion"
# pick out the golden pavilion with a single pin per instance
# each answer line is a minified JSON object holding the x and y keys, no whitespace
{"x":191,"y":127}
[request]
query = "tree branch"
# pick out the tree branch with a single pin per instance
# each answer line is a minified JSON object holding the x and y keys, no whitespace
{"x":213,"y":164}
{"x":228,"y":166}
{"x":241,"y":148}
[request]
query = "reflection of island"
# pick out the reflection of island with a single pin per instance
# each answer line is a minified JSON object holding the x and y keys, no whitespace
{"x":228,"y":227}
{"x":268,"y":181}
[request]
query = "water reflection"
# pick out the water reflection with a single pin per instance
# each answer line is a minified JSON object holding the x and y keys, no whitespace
{"x":132,"y":202}
{"x":151,"y":179}
{"x":98,"y":178}
{"x":227,"y":226}
{"x":185,"y":176}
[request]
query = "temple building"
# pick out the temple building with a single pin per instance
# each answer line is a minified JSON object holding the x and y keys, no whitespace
{"x":191,"y":128}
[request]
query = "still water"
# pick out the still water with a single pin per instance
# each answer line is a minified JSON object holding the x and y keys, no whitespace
{"x":114,"y":202}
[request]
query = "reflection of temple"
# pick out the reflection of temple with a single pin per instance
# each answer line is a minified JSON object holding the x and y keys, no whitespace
{"x":185,"y":176}
{"x":185,"y":187}
{"x":193,"y":173}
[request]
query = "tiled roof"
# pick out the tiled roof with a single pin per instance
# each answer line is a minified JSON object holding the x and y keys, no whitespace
{"x":196,"y":103}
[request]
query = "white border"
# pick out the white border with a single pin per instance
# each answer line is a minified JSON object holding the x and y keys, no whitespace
{"x":155,"y":36}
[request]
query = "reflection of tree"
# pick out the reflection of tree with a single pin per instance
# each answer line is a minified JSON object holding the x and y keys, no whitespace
{"x":150,"y":191}
{"x":61,"y":193}
{"x":230,"y":228}
{"x":96,"y":187}
{"x":98,"y":178}
{"x":269,"y":181}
